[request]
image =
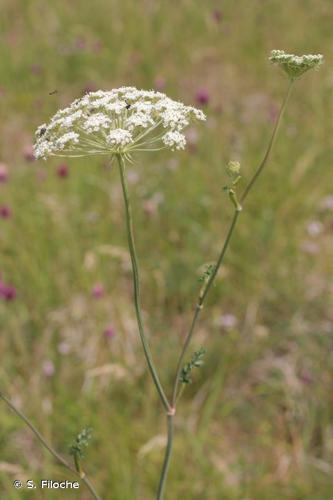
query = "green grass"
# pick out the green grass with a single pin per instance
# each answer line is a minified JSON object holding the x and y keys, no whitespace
{"x":256,"y":424}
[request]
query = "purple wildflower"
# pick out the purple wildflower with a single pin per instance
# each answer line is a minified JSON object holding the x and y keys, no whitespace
{"x":97,"y":46}
{"x":3,"y":172}
{"x":48,"y":368}
{"x":217,"y":15}
{"x":5,"y":212}
{"x":7,"y":292}
{"x":97,"y":291}
{"x":80,"y":43}
{"x":62,"y":170}
{"x":109,"y":332}
{"x":306,"y":377}
{"x":202,"y":96}
{"x":64,"y":348}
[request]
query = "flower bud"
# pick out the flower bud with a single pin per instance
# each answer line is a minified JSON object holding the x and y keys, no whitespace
{"x":233,"y":168}
{"x":294,"y":65}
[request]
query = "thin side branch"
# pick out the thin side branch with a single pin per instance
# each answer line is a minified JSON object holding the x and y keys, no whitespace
{"x":83,"y":477}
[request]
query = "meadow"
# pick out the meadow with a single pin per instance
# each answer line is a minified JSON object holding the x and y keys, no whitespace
{"x":257,"y":421}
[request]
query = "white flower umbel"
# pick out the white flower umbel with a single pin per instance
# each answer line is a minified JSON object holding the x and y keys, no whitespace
{"x":120,"y":121}
{"x":174,"y":140}
{"x":294,"y":65}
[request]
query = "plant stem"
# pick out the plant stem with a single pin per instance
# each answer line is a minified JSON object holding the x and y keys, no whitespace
{"x":136,"y":284}
{"x":270,"y":144}
{"x":56,"y":455}
{"x":166,"y":463}
{"x":226,"y":243}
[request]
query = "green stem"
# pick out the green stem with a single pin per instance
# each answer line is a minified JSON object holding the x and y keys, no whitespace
{"x":136,"y":283}
{"x":166,"y":463}
{"x":238,"y":209}
{"x":270,"y":144}
{"x":56,"y":455}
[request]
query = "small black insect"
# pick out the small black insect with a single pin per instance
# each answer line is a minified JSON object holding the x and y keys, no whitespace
{"x":128,"y":106}
{"x":53,"y":92}
{"x":42,"y":131}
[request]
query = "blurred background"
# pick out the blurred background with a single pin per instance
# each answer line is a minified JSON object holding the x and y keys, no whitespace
{"x":256,"y":424}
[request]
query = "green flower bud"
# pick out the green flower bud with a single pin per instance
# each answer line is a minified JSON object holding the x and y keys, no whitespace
{"x":294,"y":65}
{"x":233,"y":168}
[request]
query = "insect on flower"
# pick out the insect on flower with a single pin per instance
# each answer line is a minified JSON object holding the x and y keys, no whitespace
{"x":120,"y":121}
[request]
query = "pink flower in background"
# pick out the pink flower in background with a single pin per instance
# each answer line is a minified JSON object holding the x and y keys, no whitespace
{"x":202,"y":96}
{"x":97,"y":46}
{"x":80,"y":43}
{"x":306,"y":377}
{"x":314,"y":228}
{"x":217,"y":15}
{"x":7,"y":292}
{"x":109,"y":332}
{"x":28,"y":153}
{"x":327,"y":203}
{"x":151,"y":205}
{"x":227,"y":321}
{"x":48,"y":368}
{"x":5,"y":212}
{"x":159,"y":83}
{"x":310,"y":247}
{"x":62,"y":170}
{"x":98,"y":291}
{"x":3,"y":172}
{"x":64,"y":348}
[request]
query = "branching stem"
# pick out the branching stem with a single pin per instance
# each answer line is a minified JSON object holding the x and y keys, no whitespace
{"x":83,"y":477}
{"x":238,"y":209}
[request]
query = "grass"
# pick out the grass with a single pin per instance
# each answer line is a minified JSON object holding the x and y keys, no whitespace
{"x":261,"y":407}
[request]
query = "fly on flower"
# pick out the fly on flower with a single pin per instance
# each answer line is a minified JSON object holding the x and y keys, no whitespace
{"x":120,"y":121}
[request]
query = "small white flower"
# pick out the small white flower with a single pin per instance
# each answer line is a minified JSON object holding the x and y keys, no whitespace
{"x":120,"y":121}
{"x":119,"y":137}
{"x":116,"y":107}
{"x":139,"y":120}
{"x":68,"y":121}
{"x":174,"y":140}
{"x":68,"y":139}
{"x":96,"y":122}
